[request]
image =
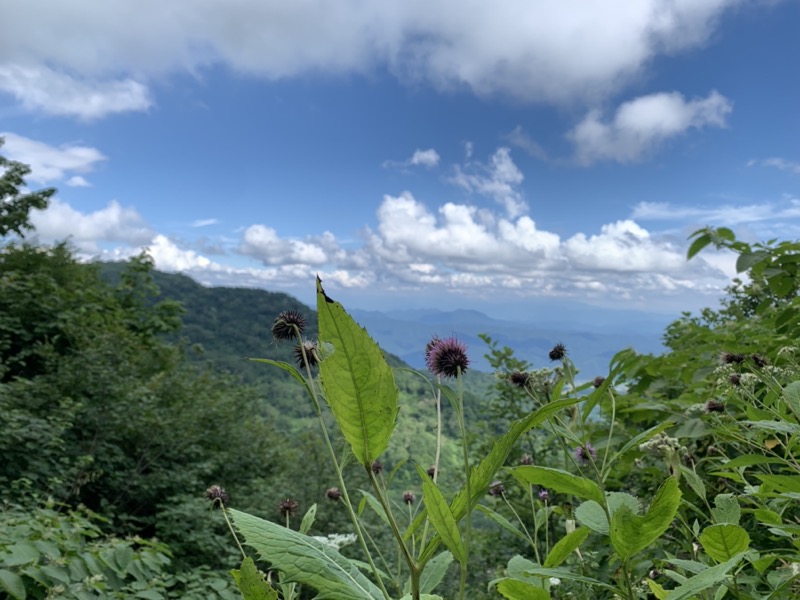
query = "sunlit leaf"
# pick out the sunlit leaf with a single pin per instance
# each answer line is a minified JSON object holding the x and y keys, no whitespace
{"x":560,"y":481}
{"x":723,"y":542}
{"x":441,"y":517}
{"x":513,"y":589}
{"x":251,"y":583}
{"x":631,"y":533}
{"x":566,"y":546}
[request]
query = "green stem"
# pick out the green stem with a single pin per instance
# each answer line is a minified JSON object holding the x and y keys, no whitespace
{"x":463,"y":428}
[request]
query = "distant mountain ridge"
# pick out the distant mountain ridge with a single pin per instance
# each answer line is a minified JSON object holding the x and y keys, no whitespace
{"x":405,"y":333}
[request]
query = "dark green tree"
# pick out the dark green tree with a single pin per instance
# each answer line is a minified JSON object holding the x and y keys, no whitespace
{"x":15,"y":203}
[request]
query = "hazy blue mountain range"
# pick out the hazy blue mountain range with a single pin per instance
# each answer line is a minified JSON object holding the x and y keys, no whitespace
{"x":404,"y":333}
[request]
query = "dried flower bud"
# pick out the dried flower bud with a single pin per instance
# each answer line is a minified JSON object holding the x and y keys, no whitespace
{"x":216,"y":494}
{"x":288,"y":507}
{"x":598,"y":381}
{"x":759,"y":360}
{"x":729,"y":358}
{"x":377,"y":467}
{"x":432,"y":471}
{"x":714,"y":406}
{"x":558,"y":352}
{"x":307,"y":350}
{"x":409,"y":497}
{"x":735,"y":379}
{"x":519,"y":378}
{"x":288,"y":324}
{"x":497,"y":488}
{"x":333,"y":493}
{"x":526,"y":459}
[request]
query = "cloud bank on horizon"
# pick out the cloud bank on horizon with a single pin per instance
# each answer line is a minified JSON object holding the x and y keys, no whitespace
{"x":86,"y":67}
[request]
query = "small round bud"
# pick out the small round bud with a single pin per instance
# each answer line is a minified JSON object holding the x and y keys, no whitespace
{"x":558,"y":352}
{"x":333,"y":494}
{"x":217,"y":494}
{"x":409,"y":497}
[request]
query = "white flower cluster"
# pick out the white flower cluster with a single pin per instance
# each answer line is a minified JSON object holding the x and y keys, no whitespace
{"x":336,"y":540}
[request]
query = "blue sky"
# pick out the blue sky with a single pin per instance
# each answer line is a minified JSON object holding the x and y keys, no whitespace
{"x":512,"y":157}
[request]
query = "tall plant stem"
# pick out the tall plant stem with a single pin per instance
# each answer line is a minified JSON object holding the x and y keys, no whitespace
{"x":342,"y":486}
{"x":438,"y":397}
{"x":462,"y":426}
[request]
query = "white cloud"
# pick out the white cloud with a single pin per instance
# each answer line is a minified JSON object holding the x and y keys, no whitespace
{"x":499,"y":179}
{"x":114,"y":223}
{"x":727,"y":214}
{"x":777,"y":163}
{"x":421,"y":158}
{"x":533,"y":51}
{"x":41,"y":88}
{"x":263,"y":243}
{"x":522,"y":139}
{"x":77,"y":181}
{"x":641,"y":125}
{"x":204,"y":222}
{"x":49,"y":163}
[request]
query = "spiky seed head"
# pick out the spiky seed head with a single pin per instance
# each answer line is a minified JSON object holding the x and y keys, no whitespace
{"x":409,"y":497}
{"x":217,"y":494}
{"x":497,"y":488}
{"x":447,"y":357}
{"x":598,"y":381}
{"x":584,"y":454}
{"x":558,"y":352}
{"x":333,"y":493}
{"x":307,"y":350}
{"x":519,"y":378}
{"x":288,"y":507}
{"x":288,"y":325}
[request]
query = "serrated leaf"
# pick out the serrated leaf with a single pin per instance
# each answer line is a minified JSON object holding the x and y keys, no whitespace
{"x":592,"y":515}
{"x":726,"y":510}
{"x":703,"y":580}
{"x":441,"y":517}
{"x":747,"y":260}
{"x":631,"y":533}
{"x":359,"y":384}
{"x":305,"y":560}
{"x":694,"y":481}
{"x":566,"y":546}
{"x":791,"y":394}
{"x":748,"y":460}
{"x":13,"y":584}
{"x":434,"y":572}
{"x":482,"y":475}
{"x":781,"y":483}
{"x":513,"y":589}
{"x":560,"y":481}
{"x":722,"y":542}
{"x":251,"y":583}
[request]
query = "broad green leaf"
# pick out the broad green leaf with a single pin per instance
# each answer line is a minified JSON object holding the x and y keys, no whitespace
{"x":305,"y":560}
{"x":518,"y":565}
{"x":482,"y":475}
{"x":592,"y":515}
{"x":359,"y":384}
{"x":251,"y":583}
{"x":726,"y":510}
{"x":513,"y":589}
{"x":502,"y":521}
{"x":773,"y":426}
{"x":698,"y":244}
{"x":566,"y":546}
{"x":767,"y":516}
{"x":781,"y":284}
{"x":21,"y":553}
{"x":560,"y":481}
{"x":441,"y":517}
{"x":631,"y":533}
{"x":723,"y":542}
{"x":308,"y":519}
{"x":747,"y":260}
{"x":694,"y":481}
{"x":781,"y":483}
{"x":747,"y":460}
{"x":791,"y":394}
{"x":657,"y":589}
{"x":13,"y":584}
{"x":703,"y":580}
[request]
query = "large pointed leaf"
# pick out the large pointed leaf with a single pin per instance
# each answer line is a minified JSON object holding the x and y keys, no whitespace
{"x":359,"y":384}
{"x":560,"y":481}
{"x":703,"y":580}
{"x":722,"y":542}
{"x":482,"y":475}
{"x":513,"y":589}
{"x":305,"y":560}
{"x":441,"y":517}
{"x":251,"y":583}
{"x":631,"y":533}
{"x":566,"y":546}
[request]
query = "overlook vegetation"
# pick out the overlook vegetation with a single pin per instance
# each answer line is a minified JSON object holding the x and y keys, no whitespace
{"x":125,"y":395}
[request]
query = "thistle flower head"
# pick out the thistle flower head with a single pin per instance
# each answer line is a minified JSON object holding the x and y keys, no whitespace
{"x":333,"y":493}
{"x":432,"y":471}
{"x":519,"y":378}
{"x":558,"y":352}
{"x":526,"y":459}
{"x":288,"y":507}
{"x":377,"y":467}
{"x":730,"y":358}
{"x":714,"y":406}
{"x":409,"y":497}
{"x":217,"y":494}
{"x":447,"y":357}
{"x":759,"y":361}
{"x":306,"y":351}
{"x":497,"y":488}
{"x":288,"y":325}
{"x":544,"y":495}
{"x":735,"y":379}
{"x":584,"y":454}
{"x":598,"y":381}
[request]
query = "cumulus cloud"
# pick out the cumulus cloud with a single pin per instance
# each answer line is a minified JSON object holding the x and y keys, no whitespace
{"x":499,"y":179}
{"x":776,"y":163}
{"x":114,"y":223}
{"x":639,"y":126}
{"x":40,"y":88}
{"x":421,"y":158}
{"x":49,"y":163}
{"x":263,"y":243}
{"x":533,"y":51}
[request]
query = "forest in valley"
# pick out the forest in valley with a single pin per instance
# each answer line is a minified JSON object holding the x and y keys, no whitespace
{"x":144,"y":455}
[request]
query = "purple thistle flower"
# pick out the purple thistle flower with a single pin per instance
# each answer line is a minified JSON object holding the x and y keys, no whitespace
{"x":584,"y":454}
{"x":544,"y":495}
{"x":447,"y":357}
